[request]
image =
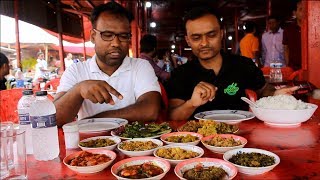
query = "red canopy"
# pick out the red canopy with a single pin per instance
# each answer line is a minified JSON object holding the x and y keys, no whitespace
{"x":76,"y":49}
{"x":86,"y":27}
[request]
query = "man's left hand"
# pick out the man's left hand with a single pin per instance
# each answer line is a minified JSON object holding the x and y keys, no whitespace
{"x":287,"y":90}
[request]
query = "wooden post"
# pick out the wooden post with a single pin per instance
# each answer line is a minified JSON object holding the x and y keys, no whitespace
{"x":83,"y":40}
{"x":16,"y":17}
{"x":135,"y":30}
{"x":269,"y":10}
{"x":59,"y":23}
{"x":236,"y":33}
{"x":310,"y":39}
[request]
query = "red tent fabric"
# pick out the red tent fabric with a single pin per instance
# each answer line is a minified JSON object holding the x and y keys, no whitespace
{"x":86,"y":26}
{"x":75,"y":49}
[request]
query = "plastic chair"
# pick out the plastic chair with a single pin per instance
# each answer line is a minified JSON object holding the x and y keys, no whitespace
{"x":8,"y":105}
{"x":165,"y":104}
{"x":286,"y":72}
{"x":296,"y":75}
{"x":53,"y":84}
{"x":252,"y":95}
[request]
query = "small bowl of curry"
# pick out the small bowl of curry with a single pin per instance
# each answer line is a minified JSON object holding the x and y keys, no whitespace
{"x":99,"y":142}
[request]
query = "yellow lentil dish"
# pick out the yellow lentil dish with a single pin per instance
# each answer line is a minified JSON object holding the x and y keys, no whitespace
{"x":182,"y":139}
{"x":176,"y":153}
{"x":208,"y":127}
{"x":97,"y":143}
{"x":222,"y":142}
{"x":138,"y":145}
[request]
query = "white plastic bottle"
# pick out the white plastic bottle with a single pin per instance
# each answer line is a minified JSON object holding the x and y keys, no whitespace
{"x":44,"y":128}
{"x":24,"y":106}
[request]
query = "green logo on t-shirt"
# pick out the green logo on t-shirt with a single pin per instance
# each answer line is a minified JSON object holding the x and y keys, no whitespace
{"x":232,"y":89}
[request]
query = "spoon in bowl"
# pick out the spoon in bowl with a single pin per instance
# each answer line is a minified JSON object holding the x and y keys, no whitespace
{"x":249,"y":102}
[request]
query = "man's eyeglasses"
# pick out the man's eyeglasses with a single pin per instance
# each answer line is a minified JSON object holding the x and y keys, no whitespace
{"x":109,"y":36}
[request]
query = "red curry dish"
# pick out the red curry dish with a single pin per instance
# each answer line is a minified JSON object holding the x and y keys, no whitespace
{"x":144,"y":170}
{"x":89,"y":159}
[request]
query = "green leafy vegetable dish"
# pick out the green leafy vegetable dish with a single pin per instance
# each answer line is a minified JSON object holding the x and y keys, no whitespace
{"x":140,"y":130}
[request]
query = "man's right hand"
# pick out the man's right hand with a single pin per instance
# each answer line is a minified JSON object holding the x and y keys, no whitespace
{"x":98,"y":91}
{"x":203,"y":93}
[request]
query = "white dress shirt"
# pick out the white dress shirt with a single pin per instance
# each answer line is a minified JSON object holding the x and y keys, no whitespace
{"x":41,"y":64}
{"x":272,"y":48}
{"x":132,"y":79}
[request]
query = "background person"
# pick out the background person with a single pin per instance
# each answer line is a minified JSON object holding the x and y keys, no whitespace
{"x":272,"y":48}
{"x":148,"y":50}
{"x":4,"y":70}
{"x":110,"y":84}
{"x":292,"y":38}
{"x":41,"y":67}
{"x":68,"y":61}
{"x":249,"y":44}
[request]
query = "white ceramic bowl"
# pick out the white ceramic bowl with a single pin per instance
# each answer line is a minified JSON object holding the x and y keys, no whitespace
{"x":193,"y":148}
{"x":90,"y":169}
{"x":182,"y":167}
{"x":222,"y":150}
{"x":140,"y":153}
{"x":113,"y":138}
{"x":284,"y":118}
{"x":165,"y":136}
{"x":165,"y":165}
{"x":252,"y":170}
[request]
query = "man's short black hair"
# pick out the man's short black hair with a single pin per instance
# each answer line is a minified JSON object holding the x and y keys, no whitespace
{"x":273,"y":16}
{"x":250,"y":26}
{"x":3,"y":59}
{"x":201,"y":11}
{"x":148,"y":43}
{"x":112,"y":8}
{"x":295,"y":5}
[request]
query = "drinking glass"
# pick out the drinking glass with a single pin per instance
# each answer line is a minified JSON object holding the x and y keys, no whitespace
{"x":14,"y":154}
{"x":4,"y":169}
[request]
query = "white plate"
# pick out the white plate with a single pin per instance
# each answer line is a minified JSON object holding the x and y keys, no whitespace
{"x":100,"y":124}
{"x":226,"y":116}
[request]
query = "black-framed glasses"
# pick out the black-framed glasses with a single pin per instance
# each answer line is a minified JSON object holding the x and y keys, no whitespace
{"x":109,"y":36}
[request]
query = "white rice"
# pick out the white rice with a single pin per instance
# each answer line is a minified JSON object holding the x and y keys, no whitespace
{"x":286,"y":102}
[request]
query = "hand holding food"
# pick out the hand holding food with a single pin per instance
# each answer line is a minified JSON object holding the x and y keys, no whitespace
{"x":202,"y":93}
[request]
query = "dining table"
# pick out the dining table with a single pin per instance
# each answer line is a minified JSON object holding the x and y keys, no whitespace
{"x":298,"y":149}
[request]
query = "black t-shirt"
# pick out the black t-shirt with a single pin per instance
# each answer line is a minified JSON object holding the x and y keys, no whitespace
{"x":236,"y":74}
{"x":3,"y":84}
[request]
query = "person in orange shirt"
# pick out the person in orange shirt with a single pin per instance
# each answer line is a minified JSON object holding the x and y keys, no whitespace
{"x":249,"y":44}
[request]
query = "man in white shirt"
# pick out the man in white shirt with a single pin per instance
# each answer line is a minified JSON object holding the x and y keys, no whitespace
{"x":68,"y":61}
{"x":41,"y":67}
{"x":111,"y":84}
{"x":272,"y":48}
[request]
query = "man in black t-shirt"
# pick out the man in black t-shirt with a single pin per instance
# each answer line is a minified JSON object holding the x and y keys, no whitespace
{"x":4,"y":70}
{"x":215,"y":80}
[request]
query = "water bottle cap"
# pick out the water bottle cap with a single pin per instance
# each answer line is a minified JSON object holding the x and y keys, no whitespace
{"x":41,"y":93}
{"x":70,"y":127}
{"x":27,"y":92}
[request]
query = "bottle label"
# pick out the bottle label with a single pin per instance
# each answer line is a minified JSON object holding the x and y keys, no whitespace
{"x":43,"y":121}
{"x":20,"y":83}
{"x":24,"y":119}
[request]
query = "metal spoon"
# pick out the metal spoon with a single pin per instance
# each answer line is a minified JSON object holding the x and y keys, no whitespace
{"x":249,"y":102}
